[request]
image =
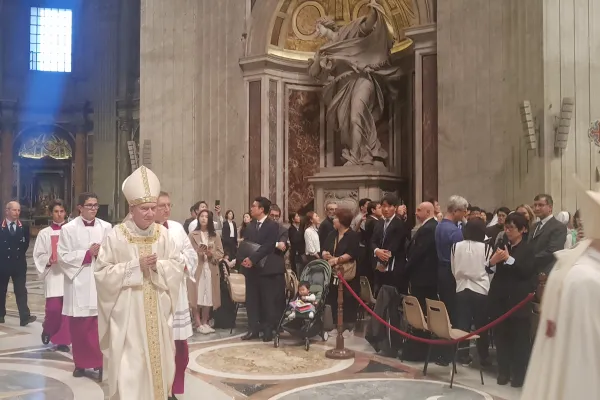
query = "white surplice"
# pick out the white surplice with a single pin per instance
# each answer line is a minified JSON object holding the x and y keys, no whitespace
{"x":80,"y":299}
{"x":135,"y":314}
{"x":565,"y":363}
{"x":182,"y":323}
{"x":54,"y":279}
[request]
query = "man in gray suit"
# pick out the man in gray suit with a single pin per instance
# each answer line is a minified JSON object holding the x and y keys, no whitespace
{"x":548,"y":235}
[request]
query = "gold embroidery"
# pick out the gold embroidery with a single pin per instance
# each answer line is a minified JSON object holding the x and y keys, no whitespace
{"x":151,"y":310}
{"x":147,"y":198}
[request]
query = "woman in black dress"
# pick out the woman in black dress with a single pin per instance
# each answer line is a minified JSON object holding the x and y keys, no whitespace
{"x":513,"y":281}
{"x":342,"y":246}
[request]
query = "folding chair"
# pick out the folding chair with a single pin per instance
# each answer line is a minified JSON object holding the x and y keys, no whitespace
{"x":439,"y":324}
{"x":416,"y":321}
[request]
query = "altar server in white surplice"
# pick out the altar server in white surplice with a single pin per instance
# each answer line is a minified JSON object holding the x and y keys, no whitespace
{"x":78,"y":247}
{"x":45,"y":256}
{"x":138,"y":275}
{"x":565,"y":363}
{"x":182,"y":323}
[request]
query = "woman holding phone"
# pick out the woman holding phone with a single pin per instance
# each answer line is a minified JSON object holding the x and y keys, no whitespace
{"x":207,"y":244}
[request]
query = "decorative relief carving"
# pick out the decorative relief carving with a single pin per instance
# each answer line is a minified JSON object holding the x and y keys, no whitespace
{"x":343,"y":198}
{"x":302,"y":36}
{"x":46,"y":145}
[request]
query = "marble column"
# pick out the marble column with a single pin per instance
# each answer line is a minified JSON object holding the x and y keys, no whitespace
{"x":123,"y":165}
{"x":79,"y":156}
{"x":6,"y":164}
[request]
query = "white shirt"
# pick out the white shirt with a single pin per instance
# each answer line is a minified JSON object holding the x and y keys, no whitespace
{"x":231,"y":229}
{"x":194,"y":224}
{"x":42,"y":252}
{"x":468,"y":260}
{"x":311,"y":240}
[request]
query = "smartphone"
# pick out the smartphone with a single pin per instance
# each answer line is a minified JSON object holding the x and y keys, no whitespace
{"x":203,"y":246}
{"x":217,"y":203}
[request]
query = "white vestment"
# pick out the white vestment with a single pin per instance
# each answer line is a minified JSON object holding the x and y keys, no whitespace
{"x":54,"y":279}
{"x":182,"y":323}
{"x":80,"y":299}
{"x":135,"y":319}
{"x":565,"y":364}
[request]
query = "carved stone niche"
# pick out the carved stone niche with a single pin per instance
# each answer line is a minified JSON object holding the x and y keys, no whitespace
{"x":346,"y":185}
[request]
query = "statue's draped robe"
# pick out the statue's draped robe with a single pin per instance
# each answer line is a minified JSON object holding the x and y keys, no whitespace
{"x":565,"y":363}
{"x":135,"y":314}
{"x":355,"y":99}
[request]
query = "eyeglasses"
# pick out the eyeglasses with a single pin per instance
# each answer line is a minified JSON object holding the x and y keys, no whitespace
{"x":92,"y":206}
{"x":164,"y":206}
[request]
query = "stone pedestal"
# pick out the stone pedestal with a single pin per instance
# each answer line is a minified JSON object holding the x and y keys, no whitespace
{"x":347,"y":185}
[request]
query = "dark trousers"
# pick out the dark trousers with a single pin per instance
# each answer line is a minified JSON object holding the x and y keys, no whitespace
{"x":447,"y":291}
{"x":422,"y":293}
{"x":471,"y":308}
{"x":230,"y":247}
{"x":265,"y":301}
{"x":350,"y":303}
{"x":513,"y":346}
{"x":19,"y":277}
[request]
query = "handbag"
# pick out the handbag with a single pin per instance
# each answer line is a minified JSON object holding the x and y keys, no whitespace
{"x":348,"y":268}
{"x":236,"y":283}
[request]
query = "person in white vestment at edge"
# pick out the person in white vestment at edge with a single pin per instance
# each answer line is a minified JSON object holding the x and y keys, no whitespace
{"x":55,"y":328}
{"x":138,"y":274}
{"x":77,"y":249}
{"x":182,"y":322}
{"x":565,"y":363}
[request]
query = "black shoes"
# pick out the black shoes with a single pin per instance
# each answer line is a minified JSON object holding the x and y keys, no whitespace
{"x":78,"y":373}
{"x":63,"y":348}
{"x":45,"y":338}
{"x":250,"y":336}
{"x":268,"y":337}
{"x":173,"y":398}
{"x":502,"y":380}
{"x":30,"y":319}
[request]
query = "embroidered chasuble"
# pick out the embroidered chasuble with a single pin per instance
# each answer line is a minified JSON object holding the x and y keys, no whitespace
{"x":135,"y":313}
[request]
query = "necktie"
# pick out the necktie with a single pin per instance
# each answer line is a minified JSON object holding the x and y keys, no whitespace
{"x":537,"y":229}
{"x":12,"y":228}
{"x":258,"y":225}
{"x":387,"y":223}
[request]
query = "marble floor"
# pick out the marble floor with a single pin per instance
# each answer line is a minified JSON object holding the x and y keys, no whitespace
{"x":223,"y":367}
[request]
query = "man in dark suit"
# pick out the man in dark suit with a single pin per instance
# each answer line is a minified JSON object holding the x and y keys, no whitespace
{"x":422,"y":262}
{"x":265,"y":286}
{"x":549,"y":235}
{"x":326,"y":226}
{"x":14,"y":242}
{"x":389,"y":246}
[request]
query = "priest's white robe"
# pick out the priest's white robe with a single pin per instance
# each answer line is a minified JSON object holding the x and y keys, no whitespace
{"x":182,"y":323}
{"x":54,"y":279}
{"x":135,"y":316}
{"x":565,"y":364}
{"x":80,"y":299}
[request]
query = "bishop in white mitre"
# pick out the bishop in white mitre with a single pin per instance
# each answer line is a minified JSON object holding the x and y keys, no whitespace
{"x":182,"y":322}
{"x":138,"y":277}
{"x":77,"y":248}
{"x":45,"y":256}
{"x":565,"y":363}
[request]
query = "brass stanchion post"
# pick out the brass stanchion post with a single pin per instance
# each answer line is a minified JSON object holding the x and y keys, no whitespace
{"x":340,"y":352}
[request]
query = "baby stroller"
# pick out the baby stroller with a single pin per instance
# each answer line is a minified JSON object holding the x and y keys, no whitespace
{"x":318,"y":274}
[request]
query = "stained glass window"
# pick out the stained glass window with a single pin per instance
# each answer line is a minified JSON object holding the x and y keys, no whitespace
{"x":50,"y":43}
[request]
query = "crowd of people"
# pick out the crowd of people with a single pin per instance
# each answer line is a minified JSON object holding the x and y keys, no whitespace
{"x":137,"y":291}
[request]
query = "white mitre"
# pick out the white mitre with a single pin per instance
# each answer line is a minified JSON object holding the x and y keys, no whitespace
{"x":589,"y":205}
{"x":142,"y":186}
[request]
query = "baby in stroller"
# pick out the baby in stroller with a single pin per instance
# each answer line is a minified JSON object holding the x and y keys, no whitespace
{"x":304,"y":301}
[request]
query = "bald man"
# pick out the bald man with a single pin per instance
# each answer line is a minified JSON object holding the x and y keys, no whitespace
{"x":14,"y":242}
{"x":421,"y":267}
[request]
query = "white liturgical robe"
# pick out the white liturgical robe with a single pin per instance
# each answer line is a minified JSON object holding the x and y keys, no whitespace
{"x":54,"y":279}
{"x":565,"y":363}
{"x":80,"y":299}
{"x":182,"y":323}
{"x":135,"y":316}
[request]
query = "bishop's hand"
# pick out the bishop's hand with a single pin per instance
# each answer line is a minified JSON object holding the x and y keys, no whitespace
{"x":148,"y":263}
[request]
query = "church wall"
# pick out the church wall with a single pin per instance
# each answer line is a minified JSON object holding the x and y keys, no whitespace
{"x":571,"y":69}
{"x":192,"y":100}
{"x":94,"y":78}
{"x":489,"y":59}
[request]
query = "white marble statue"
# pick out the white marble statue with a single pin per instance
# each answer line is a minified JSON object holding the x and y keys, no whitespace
{"x":357,"y":58}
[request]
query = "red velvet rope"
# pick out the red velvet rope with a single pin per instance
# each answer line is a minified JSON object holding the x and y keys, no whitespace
{"x":437,"y":341}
